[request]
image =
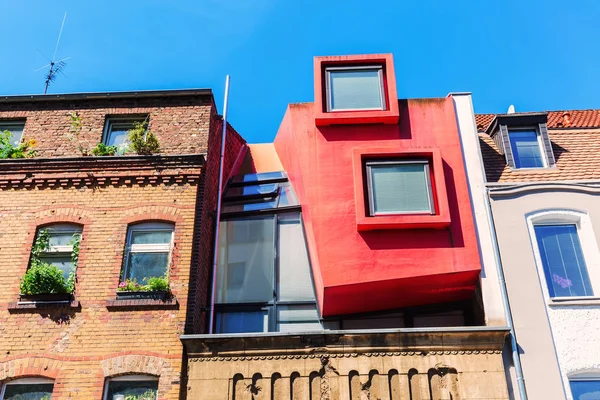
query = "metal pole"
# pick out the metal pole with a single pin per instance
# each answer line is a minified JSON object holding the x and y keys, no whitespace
{"x":218,"y":217}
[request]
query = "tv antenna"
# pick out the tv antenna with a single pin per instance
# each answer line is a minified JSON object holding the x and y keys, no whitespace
{"x":56,"y":66}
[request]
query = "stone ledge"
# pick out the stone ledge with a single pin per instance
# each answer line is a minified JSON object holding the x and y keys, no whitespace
{"x":42,"y":305}
{"x":132,"y":304}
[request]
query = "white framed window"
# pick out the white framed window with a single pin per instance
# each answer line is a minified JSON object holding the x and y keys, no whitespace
{"x":354,"y":88}
{"x":16,"y":130}
{"x":148,"y":251}
{"x":116,"y":130}
{"x":139,"y":387}
{"x":527,"y":148}
{"x":27,"y":388}
{"x":399,"y":187}
{"x":61,"y":238}
{"x":585,"y":385}
{"x":566,"y":253}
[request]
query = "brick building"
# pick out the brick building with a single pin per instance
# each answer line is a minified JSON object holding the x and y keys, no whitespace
{"x":136,"y":217}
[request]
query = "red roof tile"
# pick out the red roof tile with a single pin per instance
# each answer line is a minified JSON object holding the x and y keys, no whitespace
{"x":556,"y":119}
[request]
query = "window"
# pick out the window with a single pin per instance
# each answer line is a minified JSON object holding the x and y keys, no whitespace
{"x":562,"y":260}
{"x":263,"y":279}
{"x":585,"y":389}
{"x":148,"y":251}
{"x":355,"y":88}
{"x":254,"y":192}
{"x":116,"y":130}
{"x":27,"y":389}
{"x":142,"y":387}
{"x":61,"y":238}
{"x":399,"y":187}
{"x":15,"y":128}
{"x":526,"y":148}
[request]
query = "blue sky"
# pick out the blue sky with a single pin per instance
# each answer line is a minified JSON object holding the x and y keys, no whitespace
{"x":535,"y":54}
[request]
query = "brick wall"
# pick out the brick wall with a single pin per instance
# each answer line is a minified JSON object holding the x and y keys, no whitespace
{"x":82,"y":343}
{"x":180,"y":123}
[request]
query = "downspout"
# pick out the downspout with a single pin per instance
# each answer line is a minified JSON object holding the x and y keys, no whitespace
{"x":218,"y":217}
{"x":509,"y":319}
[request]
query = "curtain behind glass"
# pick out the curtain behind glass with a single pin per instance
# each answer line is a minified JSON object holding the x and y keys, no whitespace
{"x":400,"y":188}
{"x":355,"y":89}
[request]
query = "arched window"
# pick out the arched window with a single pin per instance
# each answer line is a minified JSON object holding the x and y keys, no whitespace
{"x":566,"y":252}
{"x":585,"y":385}
{"x":27,"y":388}
{"x":142,"y":387}
{"x":148,"y":251}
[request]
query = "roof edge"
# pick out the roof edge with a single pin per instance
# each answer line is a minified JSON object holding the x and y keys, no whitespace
{"x":106,"y":95}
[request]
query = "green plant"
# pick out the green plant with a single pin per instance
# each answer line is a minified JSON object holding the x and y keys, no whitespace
{"x":74,"y":131}
{"x":103,"y":150}
{"x":44,"y":278}
{"x":147,"y":395}
{"x":22,"y":150}
{"x":154,"y":284}
{"x":142,"y":140}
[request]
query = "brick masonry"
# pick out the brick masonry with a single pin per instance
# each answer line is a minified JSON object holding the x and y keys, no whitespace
{"x":95,"y":337}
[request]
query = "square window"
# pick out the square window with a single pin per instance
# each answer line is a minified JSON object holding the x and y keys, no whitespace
{"x":585,"y":389}
{"x":242,"y":321}
{"x":132,"y":387}
{"x":399,"y":187}
{"x":15,"y":128}
{"x":148,"y":251}
{"x":526,"y":148}
{"x":355,"y":88}
{"x":116,"y":132}
{"x":562,"y":259}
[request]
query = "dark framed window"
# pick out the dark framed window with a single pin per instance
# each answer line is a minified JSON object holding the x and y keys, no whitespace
{"x":27,"y":388}
{"x":585,"y":389}
{"x":399,"y":187}
{"x":142,"y":387}
{"x":352,"y":88}
{"x":526,"y":148}
{"x":16,"y":130}
{"x":563,"y":261}
{"x":116,"y":129}
{"x":148,"y":251}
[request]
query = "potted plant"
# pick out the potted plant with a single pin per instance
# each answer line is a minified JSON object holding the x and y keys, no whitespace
{"x":154,"y":288}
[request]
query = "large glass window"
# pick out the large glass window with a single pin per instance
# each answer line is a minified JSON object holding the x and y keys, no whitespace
{"x":27,"y":389}
{"x":263,"y":280}
{"x":59,"y":249}
{"x":355,"y":88}
{"x":148,"y":251}
{"x":562,"y":259}
{"x":138,"y":387}
{"x":399,"y":187}
{"x":526,"y":148}
{"x":588,"y":389}
{"x":15,"y":128}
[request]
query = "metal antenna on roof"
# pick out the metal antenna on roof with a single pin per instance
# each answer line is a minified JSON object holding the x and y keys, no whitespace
{"x":56,"y":66}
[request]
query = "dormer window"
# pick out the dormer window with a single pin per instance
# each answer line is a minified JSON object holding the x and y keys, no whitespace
{"x":523,"y":140}
{"x":355,"y":88}
{"x":526,"y":147}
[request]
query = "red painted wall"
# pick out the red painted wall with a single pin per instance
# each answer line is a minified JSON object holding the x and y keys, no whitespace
{"x":359,"y":271}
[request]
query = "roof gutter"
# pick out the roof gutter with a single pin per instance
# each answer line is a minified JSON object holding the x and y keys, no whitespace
{"x":105,"y":95}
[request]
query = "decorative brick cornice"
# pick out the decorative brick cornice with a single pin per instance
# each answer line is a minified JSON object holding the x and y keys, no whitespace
{"x":100,"y":171}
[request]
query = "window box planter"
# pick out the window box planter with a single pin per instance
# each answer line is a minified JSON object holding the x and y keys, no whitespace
{"x":46,"y":297}
{"x":156,"y":295}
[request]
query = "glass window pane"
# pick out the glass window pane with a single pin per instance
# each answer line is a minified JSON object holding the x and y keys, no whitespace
{"x":242,"y":322}
{"x":41,"y":391}
{"x":585,"y":390}
{"x":287,"y":196}
{"x":355,"y":89}
{"x":400,"y":188}
{"x":16,"y":131}
{"x":117,"y":136}
{"x":562,"y":259}
{"x":146,"y":265}
{"x":142,"y":390}
{"x":295,"y":282}
{"x":60,"y":238}
{"x":246,"y":246}
{"x":62,"y":262}
{"x":526,"y":149}
{"x":263,"y":176}
{"x":268,"y":189}
{"x":151,"y":237}
{"x":298,"y":318}
{"x":254,"y":205}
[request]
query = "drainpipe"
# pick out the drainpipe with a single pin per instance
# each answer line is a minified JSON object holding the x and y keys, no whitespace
{"x":512,"y":337}
{"x":218,"y":217}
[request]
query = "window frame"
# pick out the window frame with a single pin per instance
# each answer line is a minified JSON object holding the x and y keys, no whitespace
{"x":60,"y":251}
{"x":583,"y":378}
{"x":132,"y":378}
{"x":148,"y":248}
{"x":26,"y":381}
{"x":122,"y":120}
{"x":328,"y":93}
{"x":427,"y":172}
{"x":587,"y":241}
{"x":14,"y":122}
{"x":540,"y":144}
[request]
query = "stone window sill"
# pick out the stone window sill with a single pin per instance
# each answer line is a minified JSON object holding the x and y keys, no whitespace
{"x":133,"y":304}
{"x":574,"y":301}
{"x":42,"y":305}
